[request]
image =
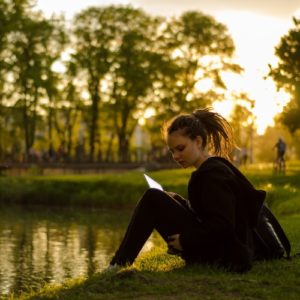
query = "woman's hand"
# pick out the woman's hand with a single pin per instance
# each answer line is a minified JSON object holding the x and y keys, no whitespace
{"x":174,"y":242}
{"x":172,"y":194}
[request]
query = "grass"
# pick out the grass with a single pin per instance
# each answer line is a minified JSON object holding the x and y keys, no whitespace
{"x":123,"y":189}
{"x":157,"y":275}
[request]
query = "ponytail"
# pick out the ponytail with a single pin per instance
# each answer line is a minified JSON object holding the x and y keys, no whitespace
{"x":215,"y":131}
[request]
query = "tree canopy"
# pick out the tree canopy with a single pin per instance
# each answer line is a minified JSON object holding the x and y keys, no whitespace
{"x":118,"y":61}
{"x":287,"y":74}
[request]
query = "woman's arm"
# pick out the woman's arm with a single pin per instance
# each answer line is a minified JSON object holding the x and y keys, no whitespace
{"x":214,"y":200}
{"x":178,"y":198}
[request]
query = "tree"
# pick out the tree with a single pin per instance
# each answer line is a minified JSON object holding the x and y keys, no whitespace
{"x":115,"y":49}
{"x":53,"y":43}
{"x":242,"y":122}
{"x":4,"y":31}
{"x":94,"y":37}
{"x":31,"y":63}
{"x":10,"y":12}
{"x":67,"y":112}
{"x":5,"y":28}
{"x":201,"y":49}
{"x":197,"y":49}
{"x":287,"y":74}
{"x":135,"y":63}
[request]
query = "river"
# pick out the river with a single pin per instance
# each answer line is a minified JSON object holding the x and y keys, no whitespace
{"x":43,"y":245}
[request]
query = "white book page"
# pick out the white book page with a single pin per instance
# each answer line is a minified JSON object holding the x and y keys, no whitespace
{"x":152,"y":183}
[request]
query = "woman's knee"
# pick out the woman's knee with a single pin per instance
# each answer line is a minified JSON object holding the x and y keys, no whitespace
{"x":153,"y":193}
{"x":153,"y":196}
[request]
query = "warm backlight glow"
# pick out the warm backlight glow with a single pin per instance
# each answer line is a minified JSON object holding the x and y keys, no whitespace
{"x":149,"y":112}
{"x":224,"y":108}
{"x":256,"y":37}
{"x":71,"y":7}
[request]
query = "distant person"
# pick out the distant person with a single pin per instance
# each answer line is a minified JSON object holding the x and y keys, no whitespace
{"x":279,"y":165}
{"x":281,"y":149}
{"x":214,"y":225}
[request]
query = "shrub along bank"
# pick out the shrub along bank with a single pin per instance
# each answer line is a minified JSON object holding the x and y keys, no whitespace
{"x":124,"y":189}
{"x":105,"y":190}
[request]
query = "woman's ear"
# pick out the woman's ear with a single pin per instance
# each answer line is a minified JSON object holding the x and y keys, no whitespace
{"x":199,"y":141}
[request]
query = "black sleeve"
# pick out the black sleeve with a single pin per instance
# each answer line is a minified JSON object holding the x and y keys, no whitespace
{"x":216,"y":210}
{"x":181,"y":200}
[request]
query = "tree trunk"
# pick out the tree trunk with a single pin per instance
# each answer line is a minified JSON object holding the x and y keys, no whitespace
{"x":50,"y":120}
{"x":108,"y":154}
{"x":94,"y":122}
{"x":26,"y":128}
{"x":123,"y":147}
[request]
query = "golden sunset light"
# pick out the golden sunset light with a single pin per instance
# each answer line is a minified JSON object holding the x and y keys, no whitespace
{"x":254,"y":52}
{"x":255,"y":29}
{"x":186,"y":112}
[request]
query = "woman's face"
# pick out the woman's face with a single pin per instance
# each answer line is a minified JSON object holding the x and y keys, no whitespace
{"x":185,"y":151}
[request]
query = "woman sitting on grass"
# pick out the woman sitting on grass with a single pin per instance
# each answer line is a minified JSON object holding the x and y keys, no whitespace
{"x":214,"y":225}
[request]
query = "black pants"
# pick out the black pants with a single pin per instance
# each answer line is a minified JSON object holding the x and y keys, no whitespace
{"x":155,"y":210}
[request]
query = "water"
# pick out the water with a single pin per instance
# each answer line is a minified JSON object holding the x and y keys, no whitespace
{"x":39,"y":245}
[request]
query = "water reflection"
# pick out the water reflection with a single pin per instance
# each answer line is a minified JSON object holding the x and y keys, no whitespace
{"x":39,"y":246}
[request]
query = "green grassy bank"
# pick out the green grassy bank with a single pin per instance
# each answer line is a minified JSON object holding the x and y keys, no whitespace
{"x":97,"y":190}
{"x":157,"y":275}
{"x":124,"y":189}
{"x":104,"y":190}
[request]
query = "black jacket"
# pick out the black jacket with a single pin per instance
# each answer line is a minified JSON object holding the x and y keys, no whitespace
{"x":228,"y":206}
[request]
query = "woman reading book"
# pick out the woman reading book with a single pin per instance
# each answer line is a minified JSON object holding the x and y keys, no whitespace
{"x":214,"y":224}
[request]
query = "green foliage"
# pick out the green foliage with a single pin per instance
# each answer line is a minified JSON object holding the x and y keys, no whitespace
{"x":241,"y":120}
{"x":290,"y":117}
{"x":286,"y":74}
{"x":11,"y":12}
{"x":37,"y":45}
{"x":201,"y":49}
{"x":124,"y":189}
{"x":122,"y":60}
{"x":89,"y":191}
{"x":132,"y":70}
{"x":94,"y":36}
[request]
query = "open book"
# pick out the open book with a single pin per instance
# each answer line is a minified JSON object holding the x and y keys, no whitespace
{"x":152,"y":183}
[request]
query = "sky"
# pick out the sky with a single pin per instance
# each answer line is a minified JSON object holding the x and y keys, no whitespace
{"x":256,"y":27}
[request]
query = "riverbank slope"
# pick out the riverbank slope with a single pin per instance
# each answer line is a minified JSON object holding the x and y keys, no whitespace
{"x":157,"y":275}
